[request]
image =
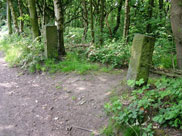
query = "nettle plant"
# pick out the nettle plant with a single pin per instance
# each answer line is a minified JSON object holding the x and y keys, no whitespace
{"x":152,"y":106}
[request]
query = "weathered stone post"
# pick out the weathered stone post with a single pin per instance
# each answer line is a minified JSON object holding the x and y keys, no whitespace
{"x":141,"y":57}
{"x":51,"y":46}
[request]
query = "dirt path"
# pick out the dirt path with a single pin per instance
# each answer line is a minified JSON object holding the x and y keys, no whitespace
{"x":52,"y":105}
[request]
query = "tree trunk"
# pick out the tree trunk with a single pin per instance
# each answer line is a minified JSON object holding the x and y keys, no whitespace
{"x":118,"y":17}
{"x":85,"y":19}
{"x":176,"y":23}
{"x":126,"y":20}
{"x":44,"y":14}
{"x":9,"y":19}
{"x":167,"y":8}
{"x":161,"y":2}
{"x":92,"y":21}
{"x":107,"y":23}
{"x":59,"y":13}
{"x":101,"y":21}
{"x":39,"y":11}
{"x":33,"y":18}
{"x":15,"y":21}
{"x":21,"y":15}
{"x":151,"y":5}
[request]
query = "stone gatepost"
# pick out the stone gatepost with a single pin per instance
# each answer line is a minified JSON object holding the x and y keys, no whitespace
{"x":51,"y":39}
{"x":141,"y":58}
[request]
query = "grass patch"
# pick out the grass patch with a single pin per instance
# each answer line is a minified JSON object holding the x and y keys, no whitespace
{"x":71,"y":62}
{"x":22,"y":52}
{"x":11,"y":52}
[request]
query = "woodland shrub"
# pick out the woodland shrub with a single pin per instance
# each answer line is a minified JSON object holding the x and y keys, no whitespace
{"x":73,"y":35}
{"x":156,"y":105}
{"x":114,"y":53}
{"x":165,"y":52}
{"x":22,"y":51}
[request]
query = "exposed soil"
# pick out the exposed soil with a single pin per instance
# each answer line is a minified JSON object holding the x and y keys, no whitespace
{"x":53,"y":105}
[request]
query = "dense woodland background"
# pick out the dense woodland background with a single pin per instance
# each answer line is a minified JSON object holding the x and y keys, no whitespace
{"x":102,"y":31}
{"x":105,"y":23}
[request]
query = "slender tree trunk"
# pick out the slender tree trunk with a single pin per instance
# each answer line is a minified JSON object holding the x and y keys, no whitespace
{"x":9,"y":19}
{"x":21,"y":15}
{"x":85,"y":19}
{"x":33,"y":18}
{"x":59,"y":13}
{"x":15,"y":21}
{"x":102,"y":21}
{"x":176,"y":23}
{"x":161,"y":3}
{"x":126,"y":20}
{"x":167,"y":9}
{"x":149,"y":26}
{"x":107,"y":23}
{"x":118,"y":17}
{"x":39,"y":11}
{"x":92,"y":22}
{"x":44,"y":14}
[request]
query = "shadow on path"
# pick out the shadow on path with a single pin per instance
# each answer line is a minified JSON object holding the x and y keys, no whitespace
{"x":52,"y":105}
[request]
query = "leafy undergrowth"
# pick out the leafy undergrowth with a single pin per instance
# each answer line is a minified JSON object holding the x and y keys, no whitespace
{"x":22,"y":52}
{"x":114,"y":53}
{"x":153,"y":107}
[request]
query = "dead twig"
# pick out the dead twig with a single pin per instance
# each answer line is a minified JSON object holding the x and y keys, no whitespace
{"x":89,"y":130}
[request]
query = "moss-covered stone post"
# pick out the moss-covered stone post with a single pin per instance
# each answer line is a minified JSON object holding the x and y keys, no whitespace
{"x":141,"y":58}
{"x":51,"y":42}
